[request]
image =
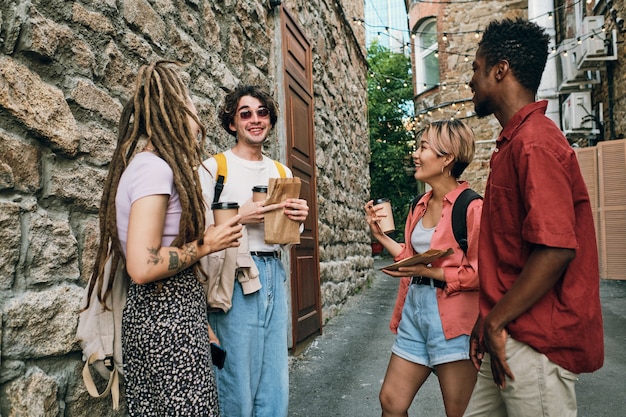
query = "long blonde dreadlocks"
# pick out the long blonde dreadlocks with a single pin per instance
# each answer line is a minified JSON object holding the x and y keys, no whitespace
{"x":157,"y":112}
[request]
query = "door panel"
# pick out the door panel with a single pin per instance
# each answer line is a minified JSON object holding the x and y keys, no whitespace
{"x":306,"y":312}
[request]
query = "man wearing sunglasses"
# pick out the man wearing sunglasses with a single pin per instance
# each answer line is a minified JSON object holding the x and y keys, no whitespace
{"x":255,"y":378}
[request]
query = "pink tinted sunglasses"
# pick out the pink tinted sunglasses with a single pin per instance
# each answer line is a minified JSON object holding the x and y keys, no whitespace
{"x":261,"y":113}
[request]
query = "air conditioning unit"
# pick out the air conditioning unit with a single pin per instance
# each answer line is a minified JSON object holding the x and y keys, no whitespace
{"x":592,"y":37}
{"x":575,"y":111}
{"x":595,"y":46}
{"x":567,"y":52}
{"x":569,"y":77}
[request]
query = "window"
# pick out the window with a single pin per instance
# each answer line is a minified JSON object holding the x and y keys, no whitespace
{"x":426,"y":60}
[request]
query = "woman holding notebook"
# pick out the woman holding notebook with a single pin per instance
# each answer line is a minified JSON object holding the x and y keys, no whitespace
{"x":437,"y":306}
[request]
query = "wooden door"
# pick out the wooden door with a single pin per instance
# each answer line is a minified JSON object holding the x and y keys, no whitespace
{"x":306,"y":315}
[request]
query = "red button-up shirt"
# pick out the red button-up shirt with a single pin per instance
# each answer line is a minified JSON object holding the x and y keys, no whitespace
{"x":536,"y":195}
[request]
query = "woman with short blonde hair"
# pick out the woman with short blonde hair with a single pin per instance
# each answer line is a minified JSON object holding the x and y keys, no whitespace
{"x":438,"y":305}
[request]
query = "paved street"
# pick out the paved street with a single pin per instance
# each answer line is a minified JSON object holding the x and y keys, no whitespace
{"x":340,"y":374}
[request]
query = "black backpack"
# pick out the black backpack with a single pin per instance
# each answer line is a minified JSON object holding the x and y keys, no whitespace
{"x":459,"y":215}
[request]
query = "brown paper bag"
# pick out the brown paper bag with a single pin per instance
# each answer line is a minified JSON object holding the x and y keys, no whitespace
{"x":278,"y":227}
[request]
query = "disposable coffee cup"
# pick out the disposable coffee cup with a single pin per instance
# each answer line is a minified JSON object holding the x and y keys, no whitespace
{"x":223,"y":211}
{"x":386,"y":223}
{"x":259,"y":192}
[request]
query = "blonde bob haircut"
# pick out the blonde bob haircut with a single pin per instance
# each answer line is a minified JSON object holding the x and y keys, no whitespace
{"x":452,"y":137}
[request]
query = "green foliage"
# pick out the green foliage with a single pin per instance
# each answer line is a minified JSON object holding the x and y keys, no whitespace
{"x":390,"y":104}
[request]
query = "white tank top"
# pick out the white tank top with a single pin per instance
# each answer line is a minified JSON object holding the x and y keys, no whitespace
{"x":421,"y":237}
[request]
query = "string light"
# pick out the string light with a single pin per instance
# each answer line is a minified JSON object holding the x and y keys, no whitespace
{"x":457,"y":106}
{"x":456,"y":2}
{"x":554,"y":53}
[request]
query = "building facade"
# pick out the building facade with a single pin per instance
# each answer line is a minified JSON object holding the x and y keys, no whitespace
{"x":584,"y":83}
{"x":591,"y":81}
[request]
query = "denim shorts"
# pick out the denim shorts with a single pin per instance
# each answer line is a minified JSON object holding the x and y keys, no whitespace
{"x":420,"y":334}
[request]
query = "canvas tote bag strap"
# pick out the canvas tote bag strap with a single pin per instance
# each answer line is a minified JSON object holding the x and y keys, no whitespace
{"x":113,"y":385}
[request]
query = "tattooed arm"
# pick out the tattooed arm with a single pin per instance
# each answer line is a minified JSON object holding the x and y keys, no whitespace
{"x":148,"y":261}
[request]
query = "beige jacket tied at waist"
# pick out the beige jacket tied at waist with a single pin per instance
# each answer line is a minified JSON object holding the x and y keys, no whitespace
{"x":223,"y":267}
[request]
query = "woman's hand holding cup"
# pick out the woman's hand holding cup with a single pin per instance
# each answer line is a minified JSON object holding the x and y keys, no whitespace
{"x":373,"y":216}
{"x":224,"y":235}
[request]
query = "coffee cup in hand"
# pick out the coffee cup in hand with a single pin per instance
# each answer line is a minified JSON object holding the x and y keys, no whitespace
{"x":386,"y":223}
{"x":223,"y":211}
{"x":259,"y":192}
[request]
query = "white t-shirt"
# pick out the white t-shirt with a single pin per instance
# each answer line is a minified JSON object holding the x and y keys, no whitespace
{"x":241,"y":176}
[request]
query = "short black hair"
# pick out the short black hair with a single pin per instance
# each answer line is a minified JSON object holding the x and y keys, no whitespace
{"x":522,"y":43}
{"x":229,"y":108}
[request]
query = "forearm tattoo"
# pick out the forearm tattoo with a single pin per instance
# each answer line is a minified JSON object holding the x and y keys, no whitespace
{"x":154,"y":258}
{"x":189,"y":254}
{"x":174,"y":263}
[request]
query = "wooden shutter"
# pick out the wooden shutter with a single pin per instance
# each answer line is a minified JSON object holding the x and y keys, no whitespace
{"x":612,"y":207}
{"x":588,"y":161}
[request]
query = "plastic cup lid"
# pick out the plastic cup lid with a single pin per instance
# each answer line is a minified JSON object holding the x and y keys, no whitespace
{"x":259,"y":189}
{"x":224,"y":205}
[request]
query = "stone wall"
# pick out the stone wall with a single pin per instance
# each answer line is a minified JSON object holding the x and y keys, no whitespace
{"x":66,"y":68}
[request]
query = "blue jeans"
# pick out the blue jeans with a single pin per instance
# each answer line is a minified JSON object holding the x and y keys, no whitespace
{"x":255,"y":379}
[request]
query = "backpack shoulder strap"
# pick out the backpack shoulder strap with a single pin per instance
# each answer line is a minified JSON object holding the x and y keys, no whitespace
{"x":222,"y":173}
{"x":459,"y":216}
{"x":416,"y":200}
{"x":281,"y":169}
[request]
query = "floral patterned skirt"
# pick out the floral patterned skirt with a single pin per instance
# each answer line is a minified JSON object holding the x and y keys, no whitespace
{"x":165,"y":344}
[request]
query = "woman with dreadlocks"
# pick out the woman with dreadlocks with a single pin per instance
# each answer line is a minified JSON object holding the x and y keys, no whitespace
{"x":152,"y":216}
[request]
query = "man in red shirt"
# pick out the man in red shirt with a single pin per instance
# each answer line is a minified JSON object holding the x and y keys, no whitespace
{"x":540,"y":321}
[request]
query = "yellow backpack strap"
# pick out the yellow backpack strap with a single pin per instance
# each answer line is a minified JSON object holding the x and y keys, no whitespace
{"x":281,"y":169}
{"x":222,"y":168}
{"x":222,"y":173}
